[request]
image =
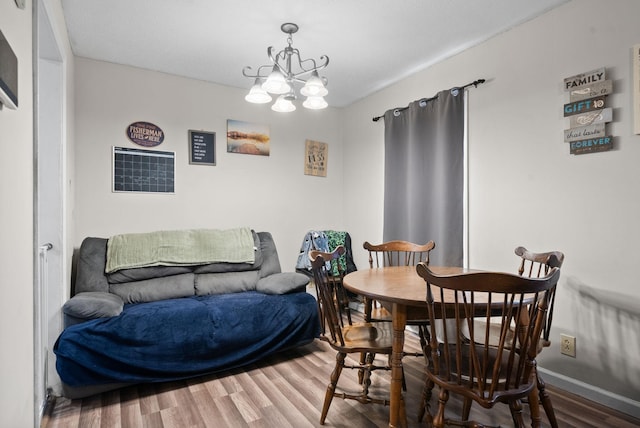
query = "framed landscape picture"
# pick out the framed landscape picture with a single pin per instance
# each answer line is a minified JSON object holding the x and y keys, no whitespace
{"x":248,"y":138}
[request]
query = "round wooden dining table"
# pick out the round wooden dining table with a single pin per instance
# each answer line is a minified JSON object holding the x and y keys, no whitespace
{"x":401,"y":289}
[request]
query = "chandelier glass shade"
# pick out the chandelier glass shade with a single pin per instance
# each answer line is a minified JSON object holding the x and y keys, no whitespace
{"x":258,"y":95}
{"x":284,"y":104}
{"x":286,"y":69}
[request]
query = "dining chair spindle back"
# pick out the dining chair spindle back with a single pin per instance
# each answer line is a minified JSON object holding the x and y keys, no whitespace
{"x":479,"y":370}
{"x":397,"y":253}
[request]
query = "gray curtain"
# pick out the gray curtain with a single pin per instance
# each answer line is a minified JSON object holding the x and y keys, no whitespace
{"x":424,"y":175}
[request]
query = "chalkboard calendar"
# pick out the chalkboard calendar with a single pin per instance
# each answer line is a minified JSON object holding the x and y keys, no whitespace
{"x":136,"y":170}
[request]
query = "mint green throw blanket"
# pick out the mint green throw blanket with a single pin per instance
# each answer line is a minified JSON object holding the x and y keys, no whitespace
{"x":180,"y":248}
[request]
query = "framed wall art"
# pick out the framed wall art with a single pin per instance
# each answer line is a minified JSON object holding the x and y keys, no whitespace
{"x":248,"y":138}
{"x":316,"y":155}
{"x":8,"y":75}
{"x":202,"y":148}
{"x":145,"y":134}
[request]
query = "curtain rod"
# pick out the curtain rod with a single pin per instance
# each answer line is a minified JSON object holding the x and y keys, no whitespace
{"x":454,"y":91}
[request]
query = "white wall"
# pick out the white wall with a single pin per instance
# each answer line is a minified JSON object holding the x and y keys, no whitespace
{"x":525,"y":187}
{"x":16,"y":230}
{"x":265,"y":193}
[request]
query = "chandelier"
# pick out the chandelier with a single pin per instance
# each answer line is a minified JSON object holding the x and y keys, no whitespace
{"x":287,"y":68}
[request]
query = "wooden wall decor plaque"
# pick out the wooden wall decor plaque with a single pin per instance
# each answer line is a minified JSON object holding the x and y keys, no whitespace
{"x":587,"y":112}
{"x":145,"y":134}
{"x":316,"y":155}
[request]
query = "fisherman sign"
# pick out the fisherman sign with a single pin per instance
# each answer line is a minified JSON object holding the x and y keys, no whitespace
{"x":145,"y":134}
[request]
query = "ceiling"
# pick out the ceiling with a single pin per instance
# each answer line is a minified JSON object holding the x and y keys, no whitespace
{"x":370,"y":43}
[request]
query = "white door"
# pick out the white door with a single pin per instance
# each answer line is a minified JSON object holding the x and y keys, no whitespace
{"x":49,"y":206}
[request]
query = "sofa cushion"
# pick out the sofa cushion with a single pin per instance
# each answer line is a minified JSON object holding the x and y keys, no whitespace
{"x":225,"y":282}
{"x":271,"y":263}
{"x":140,"y":274}
{"x":90,"y":305}
{"x":92,"y":258}
{"x":181,"y":338}
{"x":282,"y":283}
{"x":151,"y":290}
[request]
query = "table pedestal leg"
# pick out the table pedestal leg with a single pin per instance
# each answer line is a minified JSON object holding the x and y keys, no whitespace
{"x":397,"y":414}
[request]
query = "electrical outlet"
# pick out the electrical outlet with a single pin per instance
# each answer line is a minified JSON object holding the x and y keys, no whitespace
{"x":568,"y":345}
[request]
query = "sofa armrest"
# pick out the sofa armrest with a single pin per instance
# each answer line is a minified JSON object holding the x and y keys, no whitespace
{"x":282,"y":283}
{"x":90,"y":305}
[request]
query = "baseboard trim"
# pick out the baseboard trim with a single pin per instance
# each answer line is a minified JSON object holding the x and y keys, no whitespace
{"x":599,"y":395}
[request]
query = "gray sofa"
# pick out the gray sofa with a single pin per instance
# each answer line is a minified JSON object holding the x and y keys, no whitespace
{"x":161,"y":323}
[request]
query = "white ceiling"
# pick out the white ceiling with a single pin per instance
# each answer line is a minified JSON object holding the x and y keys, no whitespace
{"x":370,"y":43}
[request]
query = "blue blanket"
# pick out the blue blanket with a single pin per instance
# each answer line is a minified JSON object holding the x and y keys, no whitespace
{"x":181,"y":338}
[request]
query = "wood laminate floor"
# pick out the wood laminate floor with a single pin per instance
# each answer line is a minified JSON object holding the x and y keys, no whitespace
{"x":287,"y":390}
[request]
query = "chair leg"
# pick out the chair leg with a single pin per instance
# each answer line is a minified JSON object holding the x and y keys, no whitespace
{"x":424,"y":404}
{"x":438,"y":419}
{"x":333,"y":383}
{"x":404,"y":380}
{"x":466,"y":409}
{"x":366,"y":381}
{"x":534,"y":409}
{"x":516,"y":413}
{"x":425,"y":337}
{"x":546,"y":401}
{"x":368,"y":306}
{"x":403,"y":412}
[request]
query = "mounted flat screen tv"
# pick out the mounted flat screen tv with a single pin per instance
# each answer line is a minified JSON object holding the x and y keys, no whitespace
{"x":8,"y":74}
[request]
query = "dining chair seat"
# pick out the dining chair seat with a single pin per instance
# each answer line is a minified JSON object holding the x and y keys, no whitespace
{"x":367,"y":335}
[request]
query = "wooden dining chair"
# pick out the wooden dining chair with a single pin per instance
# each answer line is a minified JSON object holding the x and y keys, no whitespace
{"x":536,"y":265}
{"x":397,"y":253}
{"x":324,"y":240}
{"x":367,"y":338}
{"x":478,"y":370}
